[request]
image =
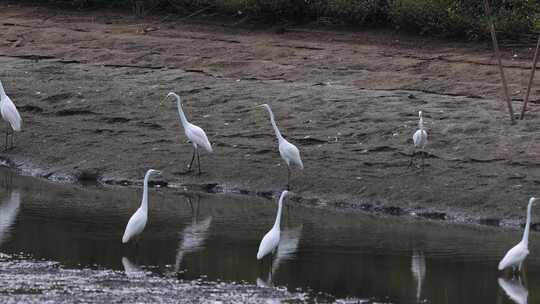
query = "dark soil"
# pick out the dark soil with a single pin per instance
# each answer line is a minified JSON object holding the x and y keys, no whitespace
{"x":88,"y":86}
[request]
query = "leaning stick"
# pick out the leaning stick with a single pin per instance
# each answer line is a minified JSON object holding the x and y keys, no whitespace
{"x":529,"y":85}
{"x":498,"y":55}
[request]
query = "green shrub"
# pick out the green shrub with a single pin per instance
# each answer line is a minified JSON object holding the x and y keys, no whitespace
{"x":358,"y":12}
{"x":463,"y":17}
{"x":456,"y":18}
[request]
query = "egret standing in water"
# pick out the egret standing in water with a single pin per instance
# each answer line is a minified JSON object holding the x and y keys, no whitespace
{"x":195,"y":134}
{"x":137,"y":222}
{"x":420,"y":139}
{"x":270,"y":240}
{"x":289,"y":152}
{"x":514,"y":257}
{"x":10,"y":115}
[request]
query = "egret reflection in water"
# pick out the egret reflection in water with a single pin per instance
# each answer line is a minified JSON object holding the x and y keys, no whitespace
{"x":132,"y":270}
{"x":8,"y":212}
{"x":514,"y":289}
{"x":418,"y":268}
{"x":193,"y":236}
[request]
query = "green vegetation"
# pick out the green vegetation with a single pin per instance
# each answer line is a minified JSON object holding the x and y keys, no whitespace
{"x":456,"y":18}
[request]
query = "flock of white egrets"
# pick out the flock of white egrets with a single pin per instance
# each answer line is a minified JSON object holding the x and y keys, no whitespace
{"x":289,"y":153}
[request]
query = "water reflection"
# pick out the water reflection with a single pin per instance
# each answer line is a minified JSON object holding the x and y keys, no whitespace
{"x":418,"y":268}
{"x":514,"y":289}
{"x":132,"y":271}
{"x":8,"y":212}
{"x":215,"y":237}
{"x":194,"y":235}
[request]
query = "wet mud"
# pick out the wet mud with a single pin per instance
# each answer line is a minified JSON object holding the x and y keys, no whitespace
{"x":88,"y":85}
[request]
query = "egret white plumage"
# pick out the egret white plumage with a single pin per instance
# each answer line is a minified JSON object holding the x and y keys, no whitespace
{"x":10,"y":115}
{"x":289,"y":152}
{"x":195,"y":134}
{"x":288,"y":246}
{"x":514,"y":257}
{"x":420,"y":139}
{"x":138,"y":220}
{"x":270,"y":240}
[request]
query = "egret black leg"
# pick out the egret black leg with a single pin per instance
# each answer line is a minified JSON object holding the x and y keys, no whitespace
{"x":270,"y":270}
{"x":199,"y":161}
{"x":13,"y":140}
{"x":288,"y":178}
{"x":192,"y":159}
{"x":136,"y":241}
{"x":423,"y":157}
{"x":190,"y":205}
{"x":411,"y":162}
{"x":7,"y":134}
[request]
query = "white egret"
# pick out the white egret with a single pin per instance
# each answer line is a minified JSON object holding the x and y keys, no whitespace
{"x":420,"y":139}
{"x":288,"y":246}
{"x":195,"y":134}
{"x":514,"y":257}
{"x":289,"y":152}
{"x":137,"y":222}
{"x":270,"y":240}
{"x":514,"y":290}
{"x":10,"y":115}
{"x":418,"y":268}
{"x":8,"y":212}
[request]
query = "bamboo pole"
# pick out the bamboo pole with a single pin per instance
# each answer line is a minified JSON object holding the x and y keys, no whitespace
{"x":529,"y":85}
{"x":498,"y":55}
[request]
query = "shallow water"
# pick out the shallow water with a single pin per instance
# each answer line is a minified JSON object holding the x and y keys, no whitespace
{"x":61,"y":243}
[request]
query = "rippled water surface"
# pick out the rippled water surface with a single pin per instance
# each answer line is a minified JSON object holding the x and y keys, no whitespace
{"x":63,"y":243}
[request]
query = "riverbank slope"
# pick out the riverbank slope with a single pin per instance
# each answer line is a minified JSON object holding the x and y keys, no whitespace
{"x":88,"y":86}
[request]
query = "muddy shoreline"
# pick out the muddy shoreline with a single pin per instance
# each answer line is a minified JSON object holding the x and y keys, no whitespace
{"x":88,"y":87}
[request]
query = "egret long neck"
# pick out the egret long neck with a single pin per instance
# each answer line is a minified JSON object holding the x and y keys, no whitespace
{"x":527,"y":225}
{"x":144,"y":203}
{"x":2,"y":92}
{"x":273,"y":121}
{"x":183,"y":118}
{"x":421,"y":123}
{"x":277,"y":224}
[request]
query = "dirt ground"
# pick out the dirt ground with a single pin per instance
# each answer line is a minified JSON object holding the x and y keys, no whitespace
{"x":88,"y":86}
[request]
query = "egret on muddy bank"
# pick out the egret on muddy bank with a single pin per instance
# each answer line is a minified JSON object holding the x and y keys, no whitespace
{"x":289,"y":152}
{"x":270,"y":240}
{"x":10,"y":115}
{"x":420,"y":139}
{"x":195,"y":134}
{"x":514,"y":257}
{"x":137,"y":222}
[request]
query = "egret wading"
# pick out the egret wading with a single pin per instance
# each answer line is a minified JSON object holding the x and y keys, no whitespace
{"x":420,"y":140}
{"x":137,"y":222}
{"x":10,"y":115}
{"x":514,"y":257}
{"x":270,"y":240}
{"x":195,"y":134}
{"x":289,"y":152}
